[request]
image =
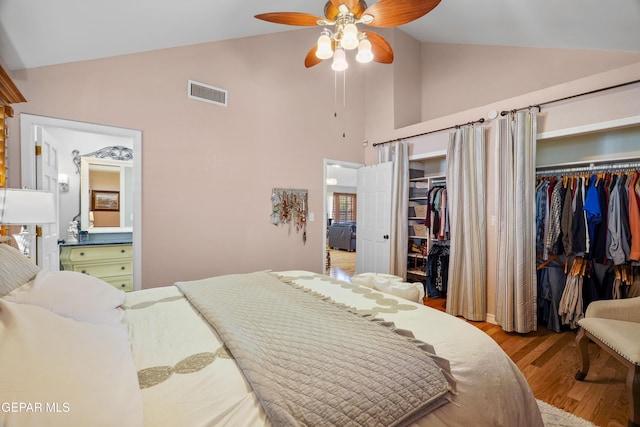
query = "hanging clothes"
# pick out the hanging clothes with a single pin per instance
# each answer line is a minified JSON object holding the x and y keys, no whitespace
{"x":593,"y":219}
{"x":600,"y":245}
{"x":555,"y":212}
{"x":437,"y":270}
{"x":437,"y":218}
{"x":580,"y":290}
{"x":551,"y":284}
{"x":634,"y":217}
{"x":595,"y":216}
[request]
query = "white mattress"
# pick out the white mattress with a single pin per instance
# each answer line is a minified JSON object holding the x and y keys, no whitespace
{"x":164,"y":329}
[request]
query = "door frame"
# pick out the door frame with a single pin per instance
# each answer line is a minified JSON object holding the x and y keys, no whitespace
{"x":28,"y":168}
{"x":325,"y":214}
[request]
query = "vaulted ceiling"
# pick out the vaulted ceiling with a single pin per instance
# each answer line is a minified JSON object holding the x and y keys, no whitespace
{"x":36,"y":33}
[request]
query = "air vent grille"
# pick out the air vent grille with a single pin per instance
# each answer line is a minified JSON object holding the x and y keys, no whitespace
{"x":206,"y":93}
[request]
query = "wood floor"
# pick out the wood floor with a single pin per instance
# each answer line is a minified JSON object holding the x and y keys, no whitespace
{"x":343,"y":264}
{"x":549,"y":362}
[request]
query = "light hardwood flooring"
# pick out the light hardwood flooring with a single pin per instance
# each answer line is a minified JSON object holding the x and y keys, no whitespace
{"x":548,"y":361}
{"x":343,"y":264}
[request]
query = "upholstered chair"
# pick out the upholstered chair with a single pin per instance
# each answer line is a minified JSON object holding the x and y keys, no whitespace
{"x":614,"y":325}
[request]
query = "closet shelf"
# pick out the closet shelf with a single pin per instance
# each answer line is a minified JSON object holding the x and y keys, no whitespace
{"x":417,"y":272}
{"x":416,"y":255}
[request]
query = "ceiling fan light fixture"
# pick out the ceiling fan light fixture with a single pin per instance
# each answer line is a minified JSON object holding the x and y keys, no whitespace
{"x":339,"y":60}
{"x":324,"y":50}
{"x":365,"y":54}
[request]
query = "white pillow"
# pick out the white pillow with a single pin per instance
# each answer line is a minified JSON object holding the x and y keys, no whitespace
{"x":72,"y":374}
{"x":409,"y":291}
{"x":72,"y":294}
{"x":370,"y":279}
{"x":15,"y":269}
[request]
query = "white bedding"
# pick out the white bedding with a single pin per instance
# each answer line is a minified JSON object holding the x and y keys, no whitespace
{"x":70,"y":356}
{"x":57,"y":371}
{"x":165,"y":330}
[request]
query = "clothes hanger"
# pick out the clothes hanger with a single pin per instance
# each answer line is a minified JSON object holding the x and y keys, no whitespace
{"x":546,"y":262}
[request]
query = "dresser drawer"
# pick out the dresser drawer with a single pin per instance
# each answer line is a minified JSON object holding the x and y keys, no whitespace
{"x":96,"y":253}
{"x":111,"y":263}
{"x":105,"y":270}
{"x":124,"y":283}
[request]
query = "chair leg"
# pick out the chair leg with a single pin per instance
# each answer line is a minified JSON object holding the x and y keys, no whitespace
{"x":633,"y":388}
{"x":582,"y":340}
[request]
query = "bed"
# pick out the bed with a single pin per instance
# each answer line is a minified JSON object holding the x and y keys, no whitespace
{"x":75,"y":351}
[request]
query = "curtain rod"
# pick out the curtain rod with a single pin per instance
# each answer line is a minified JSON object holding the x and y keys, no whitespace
{"x":553,"y":101}
{"x":480,"y":120}
{"x":590,"y":168}
{"x":505,"y":112}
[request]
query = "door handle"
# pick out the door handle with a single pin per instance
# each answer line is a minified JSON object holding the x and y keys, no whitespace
{"x":385,"y":237}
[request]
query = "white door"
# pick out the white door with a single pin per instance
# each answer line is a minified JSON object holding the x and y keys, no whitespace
{"x":47,"y":179}
{"x":374,"y":219}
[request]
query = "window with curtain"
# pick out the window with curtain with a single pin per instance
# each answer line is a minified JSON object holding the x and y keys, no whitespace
{"x":344,"y":207}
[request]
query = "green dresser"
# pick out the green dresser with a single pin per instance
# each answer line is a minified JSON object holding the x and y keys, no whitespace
{"x":111,"y":263}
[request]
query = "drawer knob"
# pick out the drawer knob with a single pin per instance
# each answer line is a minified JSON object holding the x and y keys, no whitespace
{"x":122,"y":251}
{"x":81,"y":253}
{"x":124,"y":285}
{"x":84,"y":271}
{"x":122,"y":268}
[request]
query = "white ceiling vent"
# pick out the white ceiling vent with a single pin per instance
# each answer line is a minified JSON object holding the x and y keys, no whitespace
{"x":206,"y":93}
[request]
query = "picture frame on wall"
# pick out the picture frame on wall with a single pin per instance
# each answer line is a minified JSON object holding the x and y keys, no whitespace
{"x":105,"y":200}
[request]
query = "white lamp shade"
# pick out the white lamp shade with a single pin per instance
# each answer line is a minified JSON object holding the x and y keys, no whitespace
{"x":349,"y":37}
{"x":364,"y":52}
{"x":339,"y":60}
{"x":24,"y":207}
{"x":324,"y":50}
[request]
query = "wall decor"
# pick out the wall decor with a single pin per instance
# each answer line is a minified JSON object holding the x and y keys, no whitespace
{"x":289,"y":206}
{"x":105,"y":200}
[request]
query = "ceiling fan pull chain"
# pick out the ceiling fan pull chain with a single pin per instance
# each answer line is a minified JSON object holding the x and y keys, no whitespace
{"x":335,"y":94}
{"x":344,"y":102}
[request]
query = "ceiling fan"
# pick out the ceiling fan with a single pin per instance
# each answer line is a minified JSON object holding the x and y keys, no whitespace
{"x":345,"y":15}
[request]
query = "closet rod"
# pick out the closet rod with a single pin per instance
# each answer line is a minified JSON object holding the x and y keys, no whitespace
{"x":480,"y":120}
{"x":505,"y":112}
{"x":591,"y":92}
{"x":590,"y":168}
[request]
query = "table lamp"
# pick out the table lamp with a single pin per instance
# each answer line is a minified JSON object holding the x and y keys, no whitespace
{"x":26,"y":207}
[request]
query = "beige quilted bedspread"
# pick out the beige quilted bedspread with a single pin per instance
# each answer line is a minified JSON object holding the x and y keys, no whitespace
{"x":313,"y":362}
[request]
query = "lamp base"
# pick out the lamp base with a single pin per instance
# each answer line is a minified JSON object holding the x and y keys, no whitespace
{"x":23,"y":239}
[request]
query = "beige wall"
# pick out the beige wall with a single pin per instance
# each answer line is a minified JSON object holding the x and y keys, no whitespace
{"x":208,"y":171}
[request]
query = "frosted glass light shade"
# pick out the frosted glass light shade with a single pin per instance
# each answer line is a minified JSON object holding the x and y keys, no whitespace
{"x":339,"y":60}
{"x":324,"y":50}
{"x":349,"y":37}
{"x":364,"y":52}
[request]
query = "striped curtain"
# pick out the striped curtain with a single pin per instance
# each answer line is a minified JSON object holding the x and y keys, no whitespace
{"x":467,"y":282}
{"x":516,"y":291}
{"x":398,"y":153}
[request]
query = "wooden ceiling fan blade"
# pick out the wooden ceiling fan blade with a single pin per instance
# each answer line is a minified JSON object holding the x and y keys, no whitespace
{"x":290,"y":18}
{"x":391,"y":13}
{"x":382,"y":51}
{"x":311,"y":59}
